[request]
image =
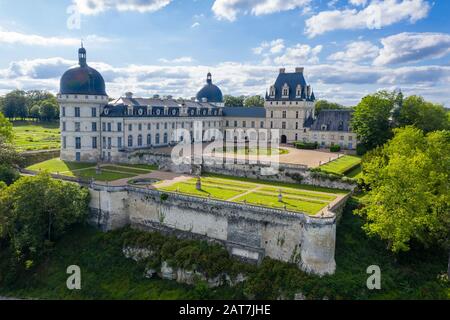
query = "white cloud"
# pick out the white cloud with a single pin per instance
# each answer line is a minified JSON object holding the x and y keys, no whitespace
{"x":412,"y":47}
{"x":299,"y":54}
{"x":356,"y":51}
{"x":92,"y":7}
{"x":177,"y":60}
{"x":195,"y":25}
{"x":375,"y":16}
{"x":358,"y":2}
{"x":229,"y":9}
{"x":340,"y":82}
{"x":272,"y":47}
{"x":13,"y":37}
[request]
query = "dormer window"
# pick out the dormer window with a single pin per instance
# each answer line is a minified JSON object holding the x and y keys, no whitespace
{"x":298,"y":92}
{"x":308,"y":88}
{"x":285,"y":91}
{"x":324,"y":127}
{"x":272,"y":91}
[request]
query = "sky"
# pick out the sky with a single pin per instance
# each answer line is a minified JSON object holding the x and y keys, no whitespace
{"x":349,"y":48}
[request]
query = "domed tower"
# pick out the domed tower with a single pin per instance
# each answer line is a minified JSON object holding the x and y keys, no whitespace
{"x":210,"y":93}
{"x":81,"y":97}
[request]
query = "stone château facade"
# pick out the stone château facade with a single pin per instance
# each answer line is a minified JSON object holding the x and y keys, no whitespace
{"x":93,"y":128}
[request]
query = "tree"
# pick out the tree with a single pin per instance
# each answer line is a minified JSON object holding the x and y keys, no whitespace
{"x":422,"y":114}
{"x":326,"y":105}
{"x":371,"y":120}
{"x":35,"y":112}
{"x":35,"y":97}
{"x":255,"y":101}
{"x":38,"y":210}
{"x":15,"y":105}
{"x":49,"y":110}
{"x":231,"y":101}
{"x":6,"y":131}
{"x":409,"y":197}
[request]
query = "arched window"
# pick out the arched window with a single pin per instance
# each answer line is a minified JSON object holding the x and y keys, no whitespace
{"x":140,"y":140}
{"x":149,"y":139}
{"x":130,"y":141}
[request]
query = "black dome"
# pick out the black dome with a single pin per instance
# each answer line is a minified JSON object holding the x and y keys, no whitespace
{"x":82,"y":79}
{"x":210,"y":91}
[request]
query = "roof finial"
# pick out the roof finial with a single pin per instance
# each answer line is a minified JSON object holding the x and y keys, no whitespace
{"x":209,"y":78}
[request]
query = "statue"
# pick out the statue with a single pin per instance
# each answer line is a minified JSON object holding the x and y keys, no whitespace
{"x":198,"y":186}
{"x":280,"y":197}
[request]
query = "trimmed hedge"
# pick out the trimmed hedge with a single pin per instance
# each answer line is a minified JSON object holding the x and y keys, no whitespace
{"x":306,"y":145}
{"x":335,"y":148}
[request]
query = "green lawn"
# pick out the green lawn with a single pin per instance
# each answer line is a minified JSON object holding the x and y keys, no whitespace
{"x":88,"y":170}
{"x":294,"y":199}
{"x":30,"y":136}
{"x":261,"y":151}
{"x":341,"y":165}
{"x":279,"y":184}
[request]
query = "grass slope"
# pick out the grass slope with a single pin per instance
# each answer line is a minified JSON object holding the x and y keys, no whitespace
{"x":341,"y":165}
{"x":30,"y":135}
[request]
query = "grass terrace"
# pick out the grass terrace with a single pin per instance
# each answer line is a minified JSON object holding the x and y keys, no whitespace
{"x":32,"y":136}
{"x":342,"y":165}
{"x":110,"y":172}
{"x":259,"y":193}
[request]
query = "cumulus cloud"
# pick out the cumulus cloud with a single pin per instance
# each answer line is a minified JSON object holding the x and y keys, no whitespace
{"x":358,"y":2}
{"x":177,"y":60}
{"x":412,"y":47}
{"x":13,"y":37}
{"x":272,"y":47}
{"x":92,"y":7}
{"x":299,"y":54}
{"x":374,"y":16}
{"x":230,"y":9}
{"x":356,"y":51}
{"x":340,"y":82}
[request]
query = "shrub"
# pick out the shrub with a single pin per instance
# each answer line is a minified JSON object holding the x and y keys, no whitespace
{"x":306,"y":145}
{"x":361,"y":149}
{"x":335,"y":148}
{"x":8,"y":175}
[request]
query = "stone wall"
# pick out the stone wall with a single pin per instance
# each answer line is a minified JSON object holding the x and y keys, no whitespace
{"x":33,"y":157}
{"x":248,"y":232}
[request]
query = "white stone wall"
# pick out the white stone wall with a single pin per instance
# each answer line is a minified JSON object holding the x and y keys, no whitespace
{"x":247,"y":231}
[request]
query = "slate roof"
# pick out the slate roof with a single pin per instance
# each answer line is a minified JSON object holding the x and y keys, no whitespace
{"x":210,"y":92}
{"x":292,"y":80}
{"x":244,"y":112}
{"x":333,"y":120}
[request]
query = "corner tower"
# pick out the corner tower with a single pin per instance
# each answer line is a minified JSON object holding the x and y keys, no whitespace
{"x":81,"y":98}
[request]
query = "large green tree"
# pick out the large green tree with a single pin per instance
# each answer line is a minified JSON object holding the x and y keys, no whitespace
{"x":6,"y":131}
{"x":254,"y":101}
{"x":421,"y":114}
{"x":371,"y":120}
{"x":409,"y":189}
{"x":231,"y":101}
{"x":15,"y":105}
{"x":49,"y":110}
{"x":38,"y":210}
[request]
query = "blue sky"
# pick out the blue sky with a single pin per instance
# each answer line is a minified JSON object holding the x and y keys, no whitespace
{"x":349,"y":48}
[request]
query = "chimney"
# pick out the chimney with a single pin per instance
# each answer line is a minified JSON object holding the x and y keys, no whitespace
{"x":299,"y":70}
{"x":282,"y":70}
{"x":129,"y":95}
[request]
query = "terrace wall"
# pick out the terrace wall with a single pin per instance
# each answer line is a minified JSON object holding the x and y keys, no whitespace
{"x":248,"y":232}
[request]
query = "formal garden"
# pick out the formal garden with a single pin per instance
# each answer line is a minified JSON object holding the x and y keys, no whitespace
{"x":291,"y":197}
{"x":33,"y":136}
{"x":108,"y":172}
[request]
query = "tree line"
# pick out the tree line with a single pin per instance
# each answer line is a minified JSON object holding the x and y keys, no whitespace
{"x":35,"y":104}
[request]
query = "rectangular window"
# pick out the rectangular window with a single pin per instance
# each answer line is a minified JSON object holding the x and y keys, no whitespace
{"x":94,"y":142}
{"x":94,"y":126}
{"x":94,"y":112}
{"x":284,"y":114}
{"x":283,"y":125}
{"x":109,"y":127}
{"x":157,"y":126}
{"x":63,"y":126}
{"x":119,"y":127}
{"x":350,"y":138}
{"x":140,"y":126}
{"x":78,"y":157}
{"x":104,"y":126}
{"x":244,"y":124}
{"x":104,"y":143}
{"x":77,"y":127}
{"x":271,"y":114}
{"x":64,"y":142}
{"x":261,"y":125}
{"x":253,"y":124}
{"x":77,"y":112}
{"x":63,"y":111}
{"x":227,"y":123}
{"x":296,"y":115}
{"x":130,"y":127}
{"x":235,"y":124}
{"x":77,"y":143}
{"x":109,"y":143}
{"x":296,"y":125}
{"x":119,"y":142}
{"x":165,"y":126}
{"x":271,"y":125}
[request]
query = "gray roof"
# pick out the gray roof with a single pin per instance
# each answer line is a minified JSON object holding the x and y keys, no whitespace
{"x":292,"y":80}
{"x":244,"y":112}
{"x":333,"y":120}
